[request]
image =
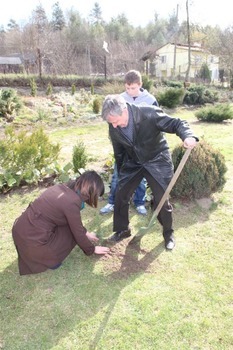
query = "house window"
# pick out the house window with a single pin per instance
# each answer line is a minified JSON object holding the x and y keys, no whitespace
{"x":163,"y":59}
{"x":198,"y":60}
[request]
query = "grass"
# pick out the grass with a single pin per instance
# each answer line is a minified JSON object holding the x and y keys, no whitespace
{"x":141,"y":298}
{"x":94,"y":137}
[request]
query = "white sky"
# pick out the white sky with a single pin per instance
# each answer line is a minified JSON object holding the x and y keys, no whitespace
{"x":138,"y":12}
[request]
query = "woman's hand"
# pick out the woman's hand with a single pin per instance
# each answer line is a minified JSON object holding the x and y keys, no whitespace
{"x":102,"y":250}
{"x":92,"y":236}
{"x":98,"y":249}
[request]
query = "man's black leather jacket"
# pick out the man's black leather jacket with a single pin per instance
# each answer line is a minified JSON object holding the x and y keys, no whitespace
{"x":149,"y":148}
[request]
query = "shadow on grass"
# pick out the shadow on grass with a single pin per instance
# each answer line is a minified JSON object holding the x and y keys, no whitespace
{"x":185,"y":215}
{"x":53,"y":307}
{"x":131,"y":266}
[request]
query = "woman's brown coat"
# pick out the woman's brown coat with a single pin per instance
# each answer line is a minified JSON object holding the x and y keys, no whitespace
{"x":49,"y":229}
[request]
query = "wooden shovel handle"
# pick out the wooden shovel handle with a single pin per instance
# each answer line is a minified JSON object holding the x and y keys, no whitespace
{"x":170,"y":186}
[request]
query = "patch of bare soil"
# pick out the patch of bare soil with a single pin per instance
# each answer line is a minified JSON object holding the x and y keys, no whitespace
{"x":128,"y":259}
{"x":205,"y":203}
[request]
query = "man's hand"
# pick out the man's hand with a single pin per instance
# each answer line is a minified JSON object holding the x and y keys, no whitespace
{"x":92,"y":236}
{"x":190,"y":142}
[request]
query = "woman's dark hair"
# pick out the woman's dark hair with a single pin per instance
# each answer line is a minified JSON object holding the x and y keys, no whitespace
{"x":90,"y":185}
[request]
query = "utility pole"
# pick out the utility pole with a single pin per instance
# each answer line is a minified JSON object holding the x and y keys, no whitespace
{"x":88,"y":51}
{"x":189,"y":43}
{"x":174,"y":61}
{"x":105,"y":67}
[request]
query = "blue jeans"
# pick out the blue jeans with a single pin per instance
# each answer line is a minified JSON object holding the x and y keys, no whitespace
{"x":139,"y":195}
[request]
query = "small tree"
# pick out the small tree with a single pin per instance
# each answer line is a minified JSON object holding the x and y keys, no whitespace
{"x":33,"y":87}
{"x":96,"y":106}
{"x":10,"y":104}
{"x":73,"y":89}
{"x":24,"y":157}
{"x":146,"y":83}
{"x":205,"y":73}
{"x":49,"y":90}
{"x":79,"y":157}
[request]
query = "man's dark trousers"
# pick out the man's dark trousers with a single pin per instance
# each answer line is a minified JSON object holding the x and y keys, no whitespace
{"x":123,"y":195}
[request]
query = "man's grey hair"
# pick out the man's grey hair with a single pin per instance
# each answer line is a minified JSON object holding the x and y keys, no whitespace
{"x":113,"y":105}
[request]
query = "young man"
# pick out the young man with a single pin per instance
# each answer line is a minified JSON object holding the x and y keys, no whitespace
{"x":134,"y":93}
{"x":141,"y":151}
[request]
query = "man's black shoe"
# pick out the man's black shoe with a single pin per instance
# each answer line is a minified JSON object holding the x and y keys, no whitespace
{"x":119,"y":236}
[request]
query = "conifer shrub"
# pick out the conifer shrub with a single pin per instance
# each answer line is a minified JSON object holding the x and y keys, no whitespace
{"x":79,"y":157}
{"x":96,"y":105}
{"x":10,"y":104}
{"x":172,"y":83}
{"x":73,"y":89}
{"x":205,"y":73}
{"x":199,"y":95}
{"x":216,"y":113}
{"x":25,"y":157}
{"x":33,"y":87}
{"x":146,"y":82}
{"x":49,"y":89}
{"x":203,"y":173}
{"x":170,"y":97}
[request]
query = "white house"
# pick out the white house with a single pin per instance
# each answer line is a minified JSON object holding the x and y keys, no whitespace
{"x":171,"y":60}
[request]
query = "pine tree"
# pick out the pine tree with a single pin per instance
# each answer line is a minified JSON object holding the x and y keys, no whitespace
{"x":58,"y":19}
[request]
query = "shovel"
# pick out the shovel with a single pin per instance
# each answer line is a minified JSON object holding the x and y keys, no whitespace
{"x":143,"y":230}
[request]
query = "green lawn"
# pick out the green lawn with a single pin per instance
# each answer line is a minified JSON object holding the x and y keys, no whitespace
{"x":136,"y":298}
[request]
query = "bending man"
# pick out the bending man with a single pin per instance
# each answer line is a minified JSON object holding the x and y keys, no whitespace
{"x":141,"y":151}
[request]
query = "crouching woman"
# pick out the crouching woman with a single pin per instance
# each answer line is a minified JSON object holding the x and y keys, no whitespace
{"x":51,"y":226}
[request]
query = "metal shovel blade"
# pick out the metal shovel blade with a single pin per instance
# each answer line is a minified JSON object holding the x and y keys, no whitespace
{"x":143,"y":230}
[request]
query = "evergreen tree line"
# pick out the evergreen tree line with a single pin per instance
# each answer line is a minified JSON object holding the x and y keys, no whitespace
{"x":70,"y":44}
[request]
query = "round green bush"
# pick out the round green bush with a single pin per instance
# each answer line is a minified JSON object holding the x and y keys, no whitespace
{"x":170,"y":97}
{"x":202,"y":175}
{"x":215,"y":114}
{"x":199,"y":95}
